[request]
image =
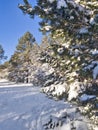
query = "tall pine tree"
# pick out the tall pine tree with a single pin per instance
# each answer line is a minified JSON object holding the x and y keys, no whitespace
{"x":23,"y":48}
{"x":21,"y":59}
{"x":76,"y":23}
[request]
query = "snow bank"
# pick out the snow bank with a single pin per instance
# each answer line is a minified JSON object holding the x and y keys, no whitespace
{"x":25,"y":108}
{"x":3,"y":80}
{"x":4,"y":83}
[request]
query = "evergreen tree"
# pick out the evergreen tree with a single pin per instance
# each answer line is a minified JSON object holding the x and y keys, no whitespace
{"x":35,"y":52}
{"x":23,"y":48}
{"x":21,"y":59}
{"x":63,"y":16}
{"x":76,"y":23}
{"x":2,"y":56}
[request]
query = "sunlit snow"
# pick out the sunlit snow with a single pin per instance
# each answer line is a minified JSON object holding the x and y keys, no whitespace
{"x":23,"y":107}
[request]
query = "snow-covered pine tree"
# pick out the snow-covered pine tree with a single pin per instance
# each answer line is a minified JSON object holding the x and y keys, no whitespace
{"x":76,"y":23}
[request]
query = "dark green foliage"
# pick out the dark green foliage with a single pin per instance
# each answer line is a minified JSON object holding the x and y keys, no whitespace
{"x":4,"y":66}
{"x":23,"y":48}
{"x":68,"y":20}
{"x":2,"y":56}
{"x":74,"y":25}
{"x":21,"y":59}
{"x":25,"y":42}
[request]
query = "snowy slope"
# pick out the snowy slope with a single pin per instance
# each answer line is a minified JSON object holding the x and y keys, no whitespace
{"x":23,"y":107}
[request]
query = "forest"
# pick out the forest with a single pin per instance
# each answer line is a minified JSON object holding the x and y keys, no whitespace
{"x":65,"y":63}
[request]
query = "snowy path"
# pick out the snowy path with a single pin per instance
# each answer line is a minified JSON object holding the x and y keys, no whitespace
{"x":23,"y":107}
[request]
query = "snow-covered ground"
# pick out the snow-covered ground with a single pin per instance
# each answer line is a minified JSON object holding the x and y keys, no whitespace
{"x":23,"y":107}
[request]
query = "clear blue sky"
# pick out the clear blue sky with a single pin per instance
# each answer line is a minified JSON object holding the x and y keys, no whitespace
{"x":13,"y":24}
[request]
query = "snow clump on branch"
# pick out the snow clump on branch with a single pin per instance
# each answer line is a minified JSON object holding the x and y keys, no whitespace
{"x":61,"y":3}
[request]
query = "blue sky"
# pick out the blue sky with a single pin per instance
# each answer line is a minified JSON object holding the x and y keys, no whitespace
{"x":13,"y":25}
